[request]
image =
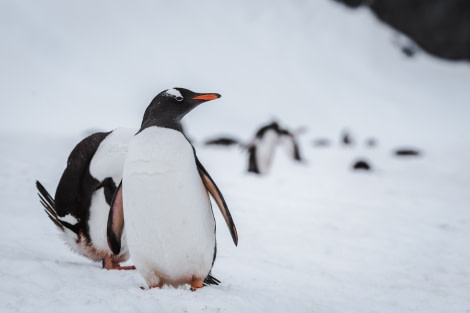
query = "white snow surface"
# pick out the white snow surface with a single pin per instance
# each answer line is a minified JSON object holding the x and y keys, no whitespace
{"x":313,"y":237}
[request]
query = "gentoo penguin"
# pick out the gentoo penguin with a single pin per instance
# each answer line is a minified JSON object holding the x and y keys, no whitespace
{"x":82,"y":200}
{"x":163,"y":198}
{"x":262,"y":147}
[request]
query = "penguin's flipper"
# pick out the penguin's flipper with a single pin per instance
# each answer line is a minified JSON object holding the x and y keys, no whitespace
{"x":116,"y":221}
{"x":219,"y":199}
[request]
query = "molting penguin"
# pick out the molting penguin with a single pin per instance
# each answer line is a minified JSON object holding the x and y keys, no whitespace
{"x":82,"y":200}
{"x":163,"y":198}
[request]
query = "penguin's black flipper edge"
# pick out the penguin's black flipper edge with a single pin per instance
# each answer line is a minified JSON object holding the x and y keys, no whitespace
{"x":219,"y":199}
{"x":116,"y":221}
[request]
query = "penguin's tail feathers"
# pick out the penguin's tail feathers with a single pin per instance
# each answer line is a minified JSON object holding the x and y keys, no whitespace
{"x":48,"y":203}
{"x":211,"y":280}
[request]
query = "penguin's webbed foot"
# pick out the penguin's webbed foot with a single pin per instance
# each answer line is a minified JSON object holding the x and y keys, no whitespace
{"x":196,"y":283}
{"x":124,"y":268}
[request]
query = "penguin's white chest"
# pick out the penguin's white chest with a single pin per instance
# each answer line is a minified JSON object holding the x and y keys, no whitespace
{"x":265,"y":150}
{"x":107,"y":162}
{"x":168,"y":216}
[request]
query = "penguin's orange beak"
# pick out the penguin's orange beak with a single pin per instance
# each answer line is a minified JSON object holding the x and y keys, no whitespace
{"x":207,"y":96}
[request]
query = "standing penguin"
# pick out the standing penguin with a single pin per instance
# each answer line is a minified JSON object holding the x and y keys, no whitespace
{"x":261,"y":149}
{"x":82,"y":200}
{"x":163,"y":198}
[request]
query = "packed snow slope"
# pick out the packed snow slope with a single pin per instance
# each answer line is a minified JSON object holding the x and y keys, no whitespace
{"x":89,"y":64}
{"x":314,"y":237}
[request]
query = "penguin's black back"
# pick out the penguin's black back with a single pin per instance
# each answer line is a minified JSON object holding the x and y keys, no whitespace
{"x":272,"y":126}
{"x":76,"y":186}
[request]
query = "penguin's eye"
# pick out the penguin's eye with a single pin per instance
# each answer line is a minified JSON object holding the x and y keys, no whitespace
{"x":178,"y":98}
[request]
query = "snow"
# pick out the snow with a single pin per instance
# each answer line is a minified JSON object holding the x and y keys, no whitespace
{"x":312,"y":237}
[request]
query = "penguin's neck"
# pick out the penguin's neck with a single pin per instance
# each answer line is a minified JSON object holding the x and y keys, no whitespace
{"x":161,"y":118}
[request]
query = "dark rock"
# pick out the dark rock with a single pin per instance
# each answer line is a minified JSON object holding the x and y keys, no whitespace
{"x":409,"y":51}
{"x":407,"y":152}
{"x":361,"y":165}
{"x":440,"y":27}
{"x":221,"y":141}
{"x":352,"y":3}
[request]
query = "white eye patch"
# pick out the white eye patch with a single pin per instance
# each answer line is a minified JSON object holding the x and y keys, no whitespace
{"x":175,"y":93}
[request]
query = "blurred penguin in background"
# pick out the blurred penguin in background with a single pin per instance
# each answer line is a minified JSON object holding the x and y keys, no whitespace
{"x":262,"y":148}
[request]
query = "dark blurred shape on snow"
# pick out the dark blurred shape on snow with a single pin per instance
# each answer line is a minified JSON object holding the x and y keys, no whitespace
{"x":222,"y":141}
{"x":371,"y":142}
{"x":346,"y":138}
{"x":407,"y":152}
{"x":321,"y":142}
{"x":361,"y":165}
{"x":440,"y":27}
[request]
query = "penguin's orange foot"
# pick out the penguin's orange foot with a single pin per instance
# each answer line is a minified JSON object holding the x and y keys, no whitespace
{"x":124,"y":268}
{"x":109,"y":264}
{"x":196,"y":283}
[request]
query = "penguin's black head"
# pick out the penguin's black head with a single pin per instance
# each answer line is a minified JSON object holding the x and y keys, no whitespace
{"x":171,"y":105}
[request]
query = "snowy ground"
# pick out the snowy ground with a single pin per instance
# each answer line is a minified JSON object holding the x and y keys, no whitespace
{"x":314,"y":237}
